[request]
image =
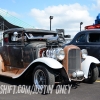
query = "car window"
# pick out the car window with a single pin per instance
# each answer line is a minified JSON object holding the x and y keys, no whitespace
{"x":81,"y":38}
{"x":12,"y":38}
{"x":32,"y":35}
{"x":94,"y":37}
{"x":16,"y":37}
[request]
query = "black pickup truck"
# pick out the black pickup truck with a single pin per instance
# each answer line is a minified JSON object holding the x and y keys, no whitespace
{"x":89,"y":40}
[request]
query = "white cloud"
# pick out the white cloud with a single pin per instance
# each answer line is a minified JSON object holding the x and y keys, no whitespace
{"x":67,"y":17}
{"x":97,"y":5}
{"x":14,"y":18}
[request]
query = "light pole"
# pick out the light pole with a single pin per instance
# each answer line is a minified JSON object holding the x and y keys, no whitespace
{"x":51,"y":17}
{"x":80,"y":25}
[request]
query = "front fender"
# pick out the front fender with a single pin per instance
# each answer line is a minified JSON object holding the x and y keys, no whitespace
{"x":52,"y":63}
{"x":85,"y":65}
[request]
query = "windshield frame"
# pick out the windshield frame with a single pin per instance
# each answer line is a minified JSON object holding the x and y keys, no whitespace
{"x":39,"y":35}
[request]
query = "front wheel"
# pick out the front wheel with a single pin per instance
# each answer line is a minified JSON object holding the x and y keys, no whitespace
{"x":42,"y":76}
{"x":93,"y":74}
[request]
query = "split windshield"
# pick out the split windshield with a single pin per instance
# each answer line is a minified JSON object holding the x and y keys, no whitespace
{"x":31,"y":35}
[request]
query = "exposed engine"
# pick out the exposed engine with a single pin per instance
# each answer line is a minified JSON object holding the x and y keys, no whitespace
{"x":56,"y":53}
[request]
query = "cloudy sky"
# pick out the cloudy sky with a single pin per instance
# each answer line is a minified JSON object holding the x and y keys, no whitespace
{"x":67,"y":14}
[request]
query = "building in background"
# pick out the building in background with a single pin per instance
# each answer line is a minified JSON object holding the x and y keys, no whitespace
{"x":8,"y":21}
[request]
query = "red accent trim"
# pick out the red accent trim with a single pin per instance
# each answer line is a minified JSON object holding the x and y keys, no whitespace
{"x":93,"y":26}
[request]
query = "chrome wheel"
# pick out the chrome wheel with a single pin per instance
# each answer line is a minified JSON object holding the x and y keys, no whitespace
{"x":42,"y":76}
{"x":39,"y":78}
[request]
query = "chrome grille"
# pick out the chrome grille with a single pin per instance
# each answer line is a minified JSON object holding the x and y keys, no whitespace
{"x":74,"y":60}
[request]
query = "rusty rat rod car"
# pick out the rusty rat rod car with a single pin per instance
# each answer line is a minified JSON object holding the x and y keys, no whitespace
{"x":38,"y":54}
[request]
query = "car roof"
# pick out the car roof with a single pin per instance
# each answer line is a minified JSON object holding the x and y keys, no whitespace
{"x":30,"y":30}
{"x":90,"y":30}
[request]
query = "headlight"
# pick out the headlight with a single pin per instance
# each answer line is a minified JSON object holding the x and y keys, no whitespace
{"x":84,"y":53}
{"x":60,"y":54}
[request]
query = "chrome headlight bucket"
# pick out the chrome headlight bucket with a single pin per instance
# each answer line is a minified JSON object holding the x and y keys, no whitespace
{"x":84,"y":53}
{"x":60,"y":54}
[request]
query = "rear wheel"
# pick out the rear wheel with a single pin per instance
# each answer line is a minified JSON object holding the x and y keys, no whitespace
{"x":42,"y":76}
{"x":93,"y":74}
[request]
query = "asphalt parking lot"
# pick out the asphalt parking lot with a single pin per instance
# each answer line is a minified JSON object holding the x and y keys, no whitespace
{"x":82,"y":92}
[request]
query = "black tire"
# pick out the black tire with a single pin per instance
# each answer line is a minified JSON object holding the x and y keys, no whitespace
{"x":93,"y":74}
{"x":43,"y":76}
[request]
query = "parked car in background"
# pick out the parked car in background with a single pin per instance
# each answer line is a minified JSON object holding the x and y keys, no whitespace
{"x":38,"y":54}
{"x":89,"y":40}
